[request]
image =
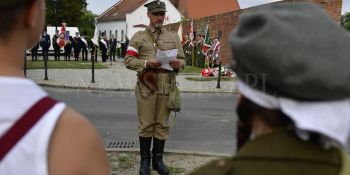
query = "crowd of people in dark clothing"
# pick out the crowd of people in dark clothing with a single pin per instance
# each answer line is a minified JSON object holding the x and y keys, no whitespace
{"x":80,"y":47}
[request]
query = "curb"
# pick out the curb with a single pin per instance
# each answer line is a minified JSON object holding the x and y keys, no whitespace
{"x":123,"y":89}
{"x":170,"y":151}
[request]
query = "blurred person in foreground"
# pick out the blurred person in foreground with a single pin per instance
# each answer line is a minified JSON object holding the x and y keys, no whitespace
{"x":38,"y":135}
{"x":292,"y":62}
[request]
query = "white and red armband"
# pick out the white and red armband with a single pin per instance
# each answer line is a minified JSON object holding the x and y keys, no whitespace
{"x":132,"y":51}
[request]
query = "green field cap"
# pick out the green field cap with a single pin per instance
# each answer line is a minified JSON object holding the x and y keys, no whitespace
{"x":156,"y":6}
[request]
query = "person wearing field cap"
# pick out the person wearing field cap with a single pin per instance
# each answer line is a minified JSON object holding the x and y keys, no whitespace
{"x":38,"y":135}
{"x":292,"y":63}
{"x":152,"y":93}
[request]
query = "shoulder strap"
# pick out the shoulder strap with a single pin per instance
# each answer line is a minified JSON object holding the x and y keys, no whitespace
{"x":155,"y":41}
{"x":24,"y":124}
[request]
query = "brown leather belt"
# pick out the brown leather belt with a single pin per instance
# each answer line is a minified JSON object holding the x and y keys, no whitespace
{"x":159,"y":70}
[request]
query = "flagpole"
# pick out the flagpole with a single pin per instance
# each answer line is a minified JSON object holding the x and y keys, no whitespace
{"x":191,"y":44}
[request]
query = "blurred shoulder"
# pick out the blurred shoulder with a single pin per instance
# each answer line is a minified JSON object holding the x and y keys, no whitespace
{"x":217,"y":167}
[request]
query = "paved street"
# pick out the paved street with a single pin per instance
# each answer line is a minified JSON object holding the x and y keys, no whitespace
{"x":117,"y":77}
{"x":206,"y":123}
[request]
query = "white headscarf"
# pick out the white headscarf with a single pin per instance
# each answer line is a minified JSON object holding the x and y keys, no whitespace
{"x":331,"y":119}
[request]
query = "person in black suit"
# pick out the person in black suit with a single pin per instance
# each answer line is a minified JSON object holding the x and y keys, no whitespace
{"x":68,"y":49}
{"x":77,"y":46}
{"x":45,"y":44}
{"x":113,"y":47}
{"x":56,"y":47}
{"x":103,"y":43}
{"x":34,"y":52}
{"x":84,"y":46}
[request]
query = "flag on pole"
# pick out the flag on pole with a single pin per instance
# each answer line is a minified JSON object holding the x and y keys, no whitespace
{"x":191,"y":34}
{"x":95,"y":39}
{"x":61,"y":40}
{"x":206,"y":44}
{"x":179,"y":32}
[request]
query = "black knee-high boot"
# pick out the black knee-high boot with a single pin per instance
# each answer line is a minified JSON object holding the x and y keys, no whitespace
{"x":157,"y":158}
{"x":145,"y":146}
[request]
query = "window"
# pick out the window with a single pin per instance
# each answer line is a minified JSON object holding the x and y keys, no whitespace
{"x":116,"y":35}
{"x":110,"y":33}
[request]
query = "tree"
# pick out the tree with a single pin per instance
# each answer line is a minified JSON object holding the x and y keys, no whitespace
{"x":345,"y":21}
{"x":70,"y":11}
{"x":87,"y":23}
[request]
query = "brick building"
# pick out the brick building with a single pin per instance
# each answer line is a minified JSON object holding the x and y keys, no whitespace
{"x":222,"y":25}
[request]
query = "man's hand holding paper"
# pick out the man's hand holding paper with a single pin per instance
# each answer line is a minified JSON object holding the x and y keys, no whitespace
{"x":168,"y":59}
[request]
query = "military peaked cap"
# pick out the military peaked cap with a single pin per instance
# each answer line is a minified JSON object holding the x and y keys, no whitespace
{"x":292,"y":50}
{"x":156,"y":6}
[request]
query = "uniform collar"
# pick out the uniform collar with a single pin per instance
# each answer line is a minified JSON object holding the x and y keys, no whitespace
{"x":152,"y":29}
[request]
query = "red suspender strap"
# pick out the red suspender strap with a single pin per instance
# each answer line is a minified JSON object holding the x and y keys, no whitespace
{"x":24,"y":124}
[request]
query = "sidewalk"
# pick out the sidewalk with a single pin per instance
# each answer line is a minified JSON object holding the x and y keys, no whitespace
{"x":117,"y":78}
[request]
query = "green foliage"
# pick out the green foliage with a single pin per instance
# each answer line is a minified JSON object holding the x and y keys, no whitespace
{"x":345,"y":21}
{"x":63,"y":65}
{"x":70,"y":11}
{"x":87,"y":23}
{"x":124,"y":161}
{"x":192,"y":69}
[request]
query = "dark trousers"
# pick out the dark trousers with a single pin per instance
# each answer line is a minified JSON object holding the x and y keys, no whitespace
{"x":112,"y":55}
{"x":46,"y":54}
{"x":34,"y":55}
{"x":67,"y":55}
{"x":76,"y":54}
{"x":84,"y":53}
{"x":57,"y":54}
{"x":104,"y":55}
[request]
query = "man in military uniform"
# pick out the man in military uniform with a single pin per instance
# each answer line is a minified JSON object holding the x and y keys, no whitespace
{"x":153,"y":113}
{"x":56,"y":47}
{"x":187,"y":47}
{"x":199,"y":54}
{"x":294,"y":112}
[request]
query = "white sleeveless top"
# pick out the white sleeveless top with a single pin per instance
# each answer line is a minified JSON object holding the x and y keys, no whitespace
{"x":30,"y":154}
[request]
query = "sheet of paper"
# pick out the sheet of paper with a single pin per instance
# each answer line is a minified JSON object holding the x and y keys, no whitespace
{"x":165,"y":56}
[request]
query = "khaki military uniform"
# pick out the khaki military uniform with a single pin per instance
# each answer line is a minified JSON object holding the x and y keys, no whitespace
{"x":188,"y":52}
{"x":152,"y":108}
{"x":280,"y":153}
{"x":200,"y":58}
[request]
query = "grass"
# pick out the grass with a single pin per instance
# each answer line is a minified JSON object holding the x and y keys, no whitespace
{"x":192,"y":69}
{"x":124,"y":161}
{"x":209,"y":78}
{"x":63,"y":65}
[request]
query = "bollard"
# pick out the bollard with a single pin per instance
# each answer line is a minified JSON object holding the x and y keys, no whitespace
{"x":219,"y":76}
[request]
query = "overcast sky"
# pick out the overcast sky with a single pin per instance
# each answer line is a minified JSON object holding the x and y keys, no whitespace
{"x":99,"y":6}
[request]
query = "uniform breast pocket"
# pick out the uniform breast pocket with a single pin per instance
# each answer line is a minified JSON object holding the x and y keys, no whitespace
{"x":167,"y":44}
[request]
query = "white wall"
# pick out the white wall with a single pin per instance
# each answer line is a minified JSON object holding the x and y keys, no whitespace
{"x":139,"y":16}
{"x":108,"y":26}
